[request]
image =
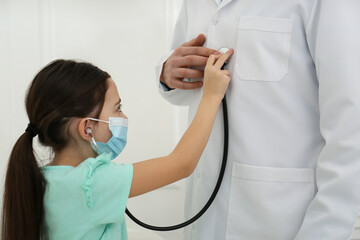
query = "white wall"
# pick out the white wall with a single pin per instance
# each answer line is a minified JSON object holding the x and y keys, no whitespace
{"x":124,"y":38}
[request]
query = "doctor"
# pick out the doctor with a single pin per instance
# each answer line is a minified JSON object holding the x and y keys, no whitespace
{"x":294,"y":117}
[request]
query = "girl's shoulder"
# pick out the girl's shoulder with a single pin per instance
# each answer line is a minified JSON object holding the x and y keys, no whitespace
{"x":99,"y":160}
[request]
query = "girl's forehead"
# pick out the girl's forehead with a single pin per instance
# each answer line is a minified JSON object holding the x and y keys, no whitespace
{"x":112,"y":92}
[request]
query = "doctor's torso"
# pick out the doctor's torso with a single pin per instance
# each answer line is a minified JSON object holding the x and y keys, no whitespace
{"x":273,"y":110}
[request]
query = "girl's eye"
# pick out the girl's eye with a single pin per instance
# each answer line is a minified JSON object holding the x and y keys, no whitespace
{"x":119,"y":108}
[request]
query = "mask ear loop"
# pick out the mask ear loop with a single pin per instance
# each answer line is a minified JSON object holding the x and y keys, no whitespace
{"x":98,"y":120}
{"x":89,"y":131}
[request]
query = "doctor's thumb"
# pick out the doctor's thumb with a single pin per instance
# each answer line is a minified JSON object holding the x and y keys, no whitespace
{"x":198,"y":41}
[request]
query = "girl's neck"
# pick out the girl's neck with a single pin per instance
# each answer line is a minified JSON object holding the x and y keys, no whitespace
{"x":71,"y":157}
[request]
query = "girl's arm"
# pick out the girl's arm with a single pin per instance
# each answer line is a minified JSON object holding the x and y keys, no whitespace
{"x":158,"y":172}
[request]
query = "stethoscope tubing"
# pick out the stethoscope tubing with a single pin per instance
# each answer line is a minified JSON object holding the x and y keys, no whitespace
{"x":213,"y":195}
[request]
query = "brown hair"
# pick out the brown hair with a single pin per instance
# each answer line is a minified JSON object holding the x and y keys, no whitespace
{"x":60,"y":91}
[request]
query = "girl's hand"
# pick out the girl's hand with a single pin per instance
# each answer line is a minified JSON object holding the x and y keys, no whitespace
{"x":216,"y":81}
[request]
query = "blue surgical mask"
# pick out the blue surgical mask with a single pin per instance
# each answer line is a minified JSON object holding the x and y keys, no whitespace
{"x":118,"y":127}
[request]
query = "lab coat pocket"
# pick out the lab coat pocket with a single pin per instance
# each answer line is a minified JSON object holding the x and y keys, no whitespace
{"x":268,"y":203}
{"x":263,"y":48}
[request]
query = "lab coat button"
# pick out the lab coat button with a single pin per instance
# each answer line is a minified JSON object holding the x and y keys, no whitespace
{"x":215,"y":22}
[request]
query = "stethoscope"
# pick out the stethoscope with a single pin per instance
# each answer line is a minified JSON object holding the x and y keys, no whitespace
{"x":218,"y":183}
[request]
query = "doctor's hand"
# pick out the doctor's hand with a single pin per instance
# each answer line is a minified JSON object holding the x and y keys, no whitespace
{"x":189,"y":54}
{"x":216,"y":81}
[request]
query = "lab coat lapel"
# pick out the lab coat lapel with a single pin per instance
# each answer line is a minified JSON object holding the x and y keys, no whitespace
{"x":222,"y":3}
{"x":217,"y":2}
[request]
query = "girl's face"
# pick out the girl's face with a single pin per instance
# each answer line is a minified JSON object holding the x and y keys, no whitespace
{"x":111,"y":108}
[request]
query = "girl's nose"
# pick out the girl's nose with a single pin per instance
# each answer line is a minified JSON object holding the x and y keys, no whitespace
{"x":123,"y":115}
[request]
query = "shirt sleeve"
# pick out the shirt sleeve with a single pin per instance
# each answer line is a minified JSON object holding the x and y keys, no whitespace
{"x":177,"y":40}
{"x":107,"y":187}
{"x":176,"y":96}
{"x":333,"y":36}
{"x":164,"y":87}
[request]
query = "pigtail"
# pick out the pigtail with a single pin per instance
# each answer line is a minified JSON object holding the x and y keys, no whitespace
{"x":23,"y":209}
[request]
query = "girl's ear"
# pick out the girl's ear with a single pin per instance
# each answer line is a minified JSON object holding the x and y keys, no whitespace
{"x":85,"y":129}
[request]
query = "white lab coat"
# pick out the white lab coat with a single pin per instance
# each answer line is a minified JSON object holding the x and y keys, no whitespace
{"x":294,"y":118}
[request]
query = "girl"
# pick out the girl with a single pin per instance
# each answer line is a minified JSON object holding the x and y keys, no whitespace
{"x":75,"y":109}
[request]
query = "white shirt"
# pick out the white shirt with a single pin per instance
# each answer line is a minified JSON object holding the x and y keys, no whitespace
{"x":293,"y":167}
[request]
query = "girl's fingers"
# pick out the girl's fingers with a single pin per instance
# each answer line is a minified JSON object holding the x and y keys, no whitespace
{"x":214,"y":58}
{"x":211,"y":60}
{"x":220,"y":62}
{"x":226,"y":72}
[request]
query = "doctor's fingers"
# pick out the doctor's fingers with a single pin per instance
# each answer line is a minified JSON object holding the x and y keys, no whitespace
{"x":197,"y":41}
{"x":188,"y":73}
{"x":198,"y":51}
{"x":187,"y":61}
{"x":179,"y":83}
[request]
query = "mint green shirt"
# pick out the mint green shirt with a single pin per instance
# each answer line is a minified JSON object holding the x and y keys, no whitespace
{"x":87,"y":201}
